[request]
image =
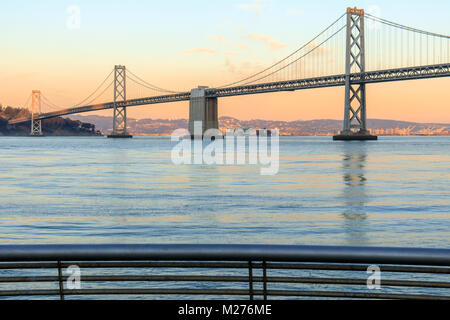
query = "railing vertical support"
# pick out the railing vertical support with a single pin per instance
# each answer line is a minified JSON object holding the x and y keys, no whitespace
{"x":250,"y":279}
{"x":264,"y":266}
{"x":61,"y":283}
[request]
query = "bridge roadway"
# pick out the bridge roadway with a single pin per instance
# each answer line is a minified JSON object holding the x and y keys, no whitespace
{"x":408,"y":73}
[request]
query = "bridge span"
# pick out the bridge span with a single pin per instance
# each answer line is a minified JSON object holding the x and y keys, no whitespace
{"x":411,"y":73}
{"x":309,"y":67}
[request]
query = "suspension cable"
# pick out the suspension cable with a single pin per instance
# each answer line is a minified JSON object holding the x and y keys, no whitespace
{"x":49,"y":103}
{"x":54,"y":106}
{"x":99,"y":95}
{"x":394,"y":24}
{"x":147,"y":84}
{"x":28,"y":100}
{"x":143,"y":85}
{"x":103,"y":82}
{"x":281,"y":61}
{"x":301,"y":57}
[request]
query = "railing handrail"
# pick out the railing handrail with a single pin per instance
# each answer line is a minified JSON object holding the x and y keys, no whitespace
{"x":226,"y":252}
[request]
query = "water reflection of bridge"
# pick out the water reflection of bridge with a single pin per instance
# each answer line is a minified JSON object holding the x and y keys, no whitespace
{"x":354,"y":193}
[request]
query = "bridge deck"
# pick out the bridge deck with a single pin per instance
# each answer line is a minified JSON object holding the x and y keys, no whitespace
{"x":401,"y":74}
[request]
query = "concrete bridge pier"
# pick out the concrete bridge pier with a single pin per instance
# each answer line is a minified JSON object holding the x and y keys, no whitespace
{"x":202,"y":109}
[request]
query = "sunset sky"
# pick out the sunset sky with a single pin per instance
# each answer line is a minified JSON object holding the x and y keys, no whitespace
{"x":182,"y":44}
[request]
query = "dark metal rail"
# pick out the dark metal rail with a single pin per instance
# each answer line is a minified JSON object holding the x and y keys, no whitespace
{"x":223,"y":271}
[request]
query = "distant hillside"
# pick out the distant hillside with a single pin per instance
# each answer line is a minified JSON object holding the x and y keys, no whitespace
{"x":143,"y":126}
{"x":51,"y":127}
{"x":296,"y":128}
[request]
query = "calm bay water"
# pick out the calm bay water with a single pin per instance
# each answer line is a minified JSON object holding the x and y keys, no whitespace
{"x":393,"y":192}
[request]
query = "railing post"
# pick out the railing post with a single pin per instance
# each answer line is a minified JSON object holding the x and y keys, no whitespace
{"x":264,"y":266}
{"x":250,"y":279}
{"x":61,"y":282}
{"x":352,"y":262}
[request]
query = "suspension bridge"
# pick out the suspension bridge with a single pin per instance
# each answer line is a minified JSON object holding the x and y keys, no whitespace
{"x":355,"y":50}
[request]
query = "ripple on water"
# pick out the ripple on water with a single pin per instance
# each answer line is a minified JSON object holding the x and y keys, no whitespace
{"x":91,"y":190}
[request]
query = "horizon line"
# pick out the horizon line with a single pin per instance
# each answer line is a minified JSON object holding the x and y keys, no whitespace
{"x":323,"y":119}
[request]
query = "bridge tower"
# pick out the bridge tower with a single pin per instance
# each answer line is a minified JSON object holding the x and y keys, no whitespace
{"x":202,"y":109}
{"x":120,"y":99}
{"x":36,"y":125}
{"x":355,"y":127}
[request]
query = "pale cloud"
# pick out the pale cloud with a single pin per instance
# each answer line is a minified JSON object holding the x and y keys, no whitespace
{"x":219,"y":39}
{"x":224,"y":23}
{"x":200,"y":50}
{"x":270,"y":42}
{"x":231,"y":67}
{"x":231,"y":46}
{"x":231,"y":53}
{"x":244,"y":69}
{"x":315,"y":47}
{"x":243,"y":46}
{"x":255,"y":5}
{"x":293,"y":12}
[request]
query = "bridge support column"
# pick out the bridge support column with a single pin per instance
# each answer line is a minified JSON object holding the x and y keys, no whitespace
{"x":202,"y":109}
{"x":36,"y":125}
{"x":120,"y":99}
{"x":355,"y":118}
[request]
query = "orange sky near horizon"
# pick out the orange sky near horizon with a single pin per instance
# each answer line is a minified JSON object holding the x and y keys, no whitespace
{"x":230,"y":42}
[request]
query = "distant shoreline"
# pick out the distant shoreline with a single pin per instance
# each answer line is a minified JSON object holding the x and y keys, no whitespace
{"x":321,"y":127}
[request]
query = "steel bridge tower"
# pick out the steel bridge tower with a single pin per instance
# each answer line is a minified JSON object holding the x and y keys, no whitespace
{"x":120,"y":99}
{"x":355,"y":117}
{"x":36,"y":125}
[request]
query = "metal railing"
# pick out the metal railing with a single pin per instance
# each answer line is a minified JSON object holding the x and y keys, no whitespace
{"x":222,"y":271}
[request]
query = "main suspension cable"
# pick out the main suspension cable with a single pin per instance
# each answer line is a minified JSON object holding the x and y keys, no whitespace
{"x":147,"y":84}
{"x":301,"y":57}
{"x":281,"y":61}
